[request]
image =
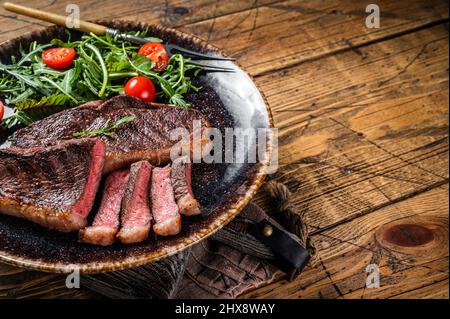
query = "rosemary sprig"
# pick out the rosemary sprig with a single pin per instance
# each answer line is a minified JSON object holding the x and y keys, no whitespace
{"x":107,"y":130}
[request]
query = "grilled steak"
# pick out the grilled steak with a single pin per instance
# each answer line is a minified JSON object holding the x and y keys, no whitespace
{"x":164,"y":209}
{"x":135,"y":215}
{"x":181,"y":181}
{"x":55,"y":186}
{"x":147,"y":137}
{"x":106,"y":222}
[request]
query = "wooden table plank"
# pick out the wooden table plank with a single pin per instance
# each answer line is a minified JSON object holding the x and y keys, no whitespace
{"x":280,"y":35}
{"x":346,"y":251}
{"x":21,"y":283}
{"x":166,"y":12}
{"x":326,"y":27}
{"x":363,"y":128}
{"x":438,"y":290}
{"x":348,"y":144}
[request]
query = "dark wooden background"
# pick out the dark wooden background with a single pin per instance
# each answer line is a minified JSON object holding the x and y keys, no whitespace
{"x":363,"y":119}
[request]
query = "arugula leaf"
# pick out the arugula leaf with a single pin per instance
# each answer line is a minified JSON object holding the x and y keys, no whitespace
{"x":153,"y":39}
{"x":36,"y":49}
{"x":51,"y":100}
{"x":102,"y":66}
{"x":62,"y":44}
{"x":57,"y":86}
{"x":97,"y":53}
{"x":18,"y":118}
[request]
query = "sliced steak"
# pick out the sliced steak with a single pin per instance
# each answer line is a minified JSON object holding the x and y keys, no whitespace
{"x":181,"y":181}
{"x":55,"y":186}
{"x":164,"y":209}
{"x":135,"y":215}
{"x":147,"y":137}
{"x":106,"y":222}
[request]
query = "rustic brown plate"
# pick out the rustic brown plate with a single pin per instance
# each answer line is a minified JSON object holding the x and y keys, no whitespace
{"x":229,"y":99}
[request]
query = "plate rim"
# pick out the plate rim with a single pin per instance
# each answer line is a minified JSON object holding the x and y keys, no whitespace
{"x":219,"y":222}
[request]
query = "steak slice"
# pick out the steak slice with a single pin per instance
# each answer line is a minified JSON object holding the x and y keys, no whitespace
{"x":106,"y":222}
{"x":181,"y":181}
{"x":164,"y":209}
{"x":55,"y":186}
{"x":147,"y":137}
{"x":135,"y":215}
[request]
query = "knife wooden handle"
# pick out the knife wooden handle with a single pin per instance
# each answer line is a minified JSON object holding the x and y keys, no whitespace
{"x":55,"y":18}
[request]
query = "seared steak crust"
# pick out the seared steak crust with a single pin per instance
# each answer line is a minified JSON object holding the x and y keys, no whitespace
{"x":147,"y":137}
{"x":55,"y":186}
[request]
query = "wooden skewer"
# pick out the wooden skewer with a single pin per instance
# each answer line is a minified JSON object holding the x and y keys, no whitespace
{"x":61,"y":20}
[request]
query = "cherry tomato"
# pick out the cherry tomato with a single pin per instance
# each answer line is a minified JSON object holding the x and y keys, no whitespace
{"x":2,"y":111}
{"x":58,"y":58}
{"x":142,"y":88}
{"x":156,"y":52}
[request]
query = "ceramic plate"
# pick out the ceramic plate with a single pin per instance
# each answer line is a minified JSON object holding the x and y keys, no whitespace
{"x":228,"y":99}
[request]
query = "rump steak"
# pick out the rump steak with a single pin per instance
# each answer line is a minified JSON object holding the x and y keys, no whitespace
{"x":164,"y":209}
{"x":181,"y":181}
{"x":106,"y":223}
{"x":147,"y":137}
{"x":135,"y":216}
{"x":53,"y":186}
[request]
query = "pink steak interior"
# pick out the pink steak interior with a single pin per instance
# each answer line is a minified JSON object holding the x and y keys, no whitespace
{"x":85,"y":202}
{"x":138,"y":210}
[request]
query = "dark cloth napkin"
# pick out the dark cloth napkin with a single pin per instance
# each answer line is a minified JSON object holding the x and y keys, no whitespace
{"x":222,"y":266}
{"x":219,"y":268}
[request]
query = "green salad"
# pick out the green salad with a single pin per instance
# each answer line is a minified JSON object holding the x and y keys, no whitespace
{"x":46,"y":78}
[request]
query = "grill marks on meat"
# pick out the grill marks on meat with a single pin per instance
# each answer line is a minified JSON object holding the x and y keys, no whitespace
{"x":181,"y":181}
{"x":106,"y":222}
{"x":135,"y":215}
{"x":164,"y":209}
{"x":55,"y":186}
{"x":147,"y":137}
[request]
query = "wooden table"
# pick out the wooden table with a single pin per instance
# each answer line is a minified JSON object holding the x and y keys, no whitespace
{"x":363,"y":131}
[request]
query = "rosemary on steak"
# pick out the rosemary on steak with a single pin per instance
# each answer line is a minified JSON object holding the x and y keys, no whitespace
{"x":107,"y":130}
{"x":102,"y":66}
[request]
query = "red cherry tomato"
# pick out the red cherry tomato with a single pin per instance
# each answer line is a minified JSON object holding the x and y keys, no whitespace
{"x":58,"y":58}
{"x":142,"y":88}
{"x":2,"y":111}
{"x":156,"y":52}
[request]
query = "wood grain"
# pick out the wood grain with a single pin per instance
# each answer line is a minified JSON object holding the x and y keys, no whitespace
{"x":284,"y":34}
{"x":438,"y":290}
{"x":346,"y":251}
{"x":57,"y":19}
{"x":350,"y":142}
{"x":166,"y":12}
{"x":19,"y":283}
{"x":363,"y":132}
